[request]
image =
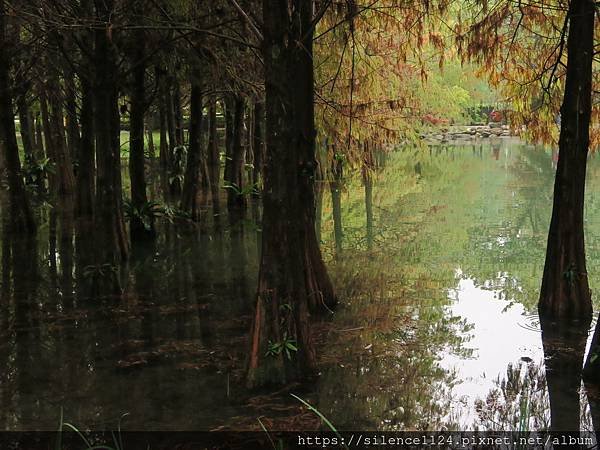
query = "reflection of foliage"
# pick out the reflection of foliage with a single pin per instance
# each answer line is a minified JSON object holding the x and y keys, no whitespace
{"x":519,"y":402}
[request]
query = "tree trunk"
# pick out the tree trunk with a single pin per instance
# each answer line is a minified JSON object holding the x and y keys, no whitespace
{"x":72,"y":126}
{"x":112,"y":246}
{"x":162,"y":116}
{"x":189,"y":200}
{"x":292,"y":277}
{"x":235,"y":198}
{"x":214,"y":162}
{"x":86,"y":168}
{"x":229,"y":125}
{"x":85,"y":186}
{"x":565,"y":291}
{"x":564,"y":348}
{"x":175,"y":141}
{"x":26,"y":130}
{"x":367,"y":172}
{"x":259,"y":144}
{"x":335,"y":185}
{"x":54,"y":133}
{"x":21,"y":213}
{"x":141,"y":221}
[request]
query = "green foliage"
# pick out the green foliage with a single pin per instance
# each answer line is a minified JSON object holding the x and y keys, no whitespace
{"x":99,"y":271}
{"x":36,"y":171}
{"x":245,"y":191}
{"x":286,"y":346}
{"x":146,"y":213}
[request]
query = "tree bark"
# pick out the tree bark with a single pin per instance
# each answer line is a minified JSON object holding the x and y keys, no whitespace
{"x":162,"y":115}
{"x":565,"y":291}
{"x":141,"y":222}
{"x":236,"y":201}
{"x":26,"y":130}
{"x":564,"y":348}
{"x":259,"y":144}
{"x":189,"y":200}
{"x":214,"y":162}
{"x":21,"y":214}
{"x":335,"y":185}
{"x":86,"y":169}
{"x":110,"y":225}
{"x":293,"y":277}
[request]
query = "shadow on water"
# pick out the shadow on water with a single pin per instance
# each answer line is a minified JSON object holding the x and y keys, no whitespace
{"x":438,"y":280}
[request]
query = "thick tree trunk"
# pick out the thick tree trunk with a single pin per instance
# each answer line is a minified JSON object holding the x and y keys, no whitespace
{"x":141,"y":222}
{"x":214,"y":162}
{"x":21,"y":213}
{"x":86,"y":169}
{"x":564,"y":348}
{"x":54,"y":134}
{"x":112,"y":243}
{"x":236,"y":201}
{"x":292,"y":275}
{"x":189,"y":200}
{"x":565,"y":291}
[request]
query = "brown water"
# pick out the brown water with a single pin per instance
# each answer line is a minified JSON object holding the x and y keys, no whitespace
{"x":437,"y":327}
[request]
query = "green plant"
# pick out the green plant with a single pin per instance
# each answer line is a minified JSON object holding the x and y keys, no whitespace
{"x":279,"y":445}
{"x":117,"y":439}
{"x":35,"y":171}
{"x":251,"y":189}
{"x":171,"y":214}
{"x":287,"y":346}
{"x":146,"y":213}
{"x":322,"y":417}
{"x":97,"y":271}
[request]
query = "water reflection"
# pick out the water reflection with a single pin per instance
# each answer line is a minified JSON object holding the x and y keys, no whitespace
{"x":439,"y":273}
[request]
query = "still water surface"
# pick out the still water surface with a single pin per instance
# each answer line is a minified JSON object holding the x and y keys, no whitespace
{"x":437,"y":327}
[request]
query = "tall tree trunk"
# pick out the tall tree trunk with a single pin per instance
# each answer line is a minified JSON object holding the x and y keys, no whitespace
{"x":293,"y":277}
{"x":112,"y":245}
{"x":150,"y":137}
{"x":141,"y":222}
{"x":162,"y":117}
{"x":565,"y":291}
{"x":259,"y":144}
{"x":229,"y":103}
{"x":189,"y":200}
{"x":178,"y":115}
{"x":175,"y":140}
{"x":86,"y":169}
{"x":26,"y":130}
{"x":335,"y":185}
{"x":72,"y":125}
{"x":235,"y":198}
{"x":21,"y":213}
{"x":214,"y":162}
{"x":367,"y":173}
{"x":63,"y":160}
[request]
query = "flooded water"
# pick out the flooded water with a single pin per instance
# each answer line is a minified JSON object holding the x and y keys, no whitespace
{"x":437,"y":328}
